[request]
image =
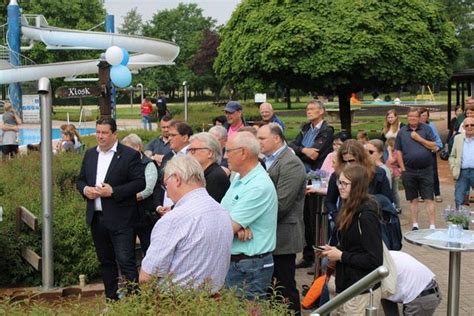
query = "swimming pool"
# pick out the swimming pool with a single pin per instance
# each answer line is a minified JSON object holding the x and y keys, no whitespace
{"x":33,"y":135}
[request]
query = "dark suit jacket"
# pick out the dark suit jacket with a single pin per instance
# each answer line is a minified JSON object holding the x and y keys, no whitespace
{"x":322,"y":142}
{"x":289,"y":177}
{"x":125,"y":175}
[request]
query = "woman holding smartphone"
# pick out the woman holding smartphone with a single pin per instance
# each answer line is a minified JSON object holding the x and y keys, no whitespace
{"x":359,"y":241}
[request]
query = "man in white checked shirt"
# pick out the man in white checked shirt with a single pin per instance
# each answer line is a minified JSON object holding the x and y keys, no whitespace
{"x":191,"y":242}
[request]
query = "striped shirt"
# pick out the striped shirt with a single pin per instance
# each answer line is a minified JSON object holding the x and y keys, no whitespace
{"x":192,"y":242}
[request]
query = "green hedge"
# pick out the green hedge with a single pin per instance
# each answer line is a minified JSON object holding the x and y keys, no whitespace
{"x":166,"y":299}
{"x":20,"y":185}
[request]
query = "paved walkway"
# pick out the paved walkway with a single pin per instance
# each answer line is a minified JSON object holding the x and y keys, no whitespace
{"x":436,"y":260}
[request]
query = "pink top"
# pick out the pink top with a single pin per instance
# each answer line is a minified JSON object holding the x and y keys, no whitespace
{"x":233,"y":130}
{"x":328,"y":165}
{"x":392,"y":163}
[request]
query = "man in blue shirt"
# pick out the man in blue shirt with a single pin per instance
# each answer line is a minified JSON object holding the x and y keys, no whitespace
{"x":415,"y":143}
{"x":252,"y":203}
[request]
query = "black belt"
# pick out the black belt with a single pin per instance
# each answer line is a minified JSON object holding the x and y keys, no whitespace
{"x":241,"y":256}
{"x":433,"y":290}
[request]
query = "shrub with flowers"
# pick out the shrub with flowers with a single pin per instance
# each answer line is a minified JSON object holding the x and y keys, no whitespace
{"x":458,"y":217}
{"x":317,"y":174}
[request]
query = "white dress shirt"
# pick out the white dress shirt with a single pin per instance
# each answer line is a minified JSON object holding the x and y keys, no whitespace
{"x":103,"y":163}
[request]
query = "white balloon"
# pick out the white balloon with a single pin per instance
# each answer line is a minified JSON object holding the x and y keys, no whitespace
{"x":114,"y":55}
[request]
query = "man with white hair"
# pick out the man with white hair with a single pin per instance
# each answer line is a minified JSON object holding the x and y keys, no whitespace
{"x":253,"y":205}
{"x":220,"y":133}
{"x":207,"y":151}
{"x":269,"y":116}
{"x":461,"y":161}
{"x":192,"y":242}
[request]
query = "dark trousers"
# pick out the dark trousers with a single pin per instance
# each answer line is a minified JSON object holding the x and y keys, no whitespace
{"x":284,"y":275}
{"x":437,"y":191}
{"x":114,"y":247}
{"x":144,"y":233}
{"x":309,"y":218}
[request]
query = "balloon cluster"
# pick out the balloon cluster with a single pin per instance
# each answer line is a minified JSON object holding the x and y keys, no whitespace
{"x":119,"y":73}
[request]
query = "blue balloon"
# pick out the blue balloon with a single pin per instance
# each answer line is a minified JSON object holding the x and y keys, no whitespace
{"x":125,"y":57}
{"x":120,"y":76}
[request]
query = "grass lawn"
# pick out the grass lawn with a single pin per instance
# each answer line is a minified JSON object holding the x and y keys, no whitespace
{"x":200,"y":114}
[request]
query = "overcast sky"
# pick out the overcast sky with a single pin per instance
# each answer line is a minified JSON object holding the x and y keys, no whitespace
{"x":219,"y":10}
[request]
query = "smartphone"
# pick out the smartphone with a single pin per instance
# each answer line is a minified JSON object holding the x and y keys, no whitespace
{"x":318,"y":248}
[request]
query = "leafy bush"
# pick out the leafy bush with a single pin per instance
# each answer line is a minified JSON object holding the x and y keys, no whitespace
{"x":166,"y":299}
{"x":20,"y":185}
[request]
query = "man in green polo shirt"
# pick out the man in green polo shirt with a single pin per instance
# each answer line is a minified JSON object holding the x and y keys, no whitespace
{"x":253,"y":206}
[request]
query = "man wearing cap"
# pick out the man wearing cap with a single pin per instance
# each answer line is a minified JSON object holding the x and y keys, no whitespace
{"x":235,"y":120}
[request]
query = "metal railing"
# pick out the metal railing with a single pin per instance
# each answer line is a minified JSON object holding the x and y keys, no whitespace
{"x":360,"y":286}
{"x":5,"y":55}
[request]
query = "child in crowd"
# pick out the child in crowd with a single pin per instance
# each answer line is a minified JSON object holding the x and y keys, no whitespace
{"x":362,"y":137}
{"x":67,"y":142}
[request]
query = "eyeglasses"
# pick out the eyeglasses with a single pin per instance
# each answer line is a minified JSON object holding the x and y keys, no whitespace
{"x":349,"y":160}
{"x":342,"y":184}
{"x":193,"y":150}
{"x":468,"y":125}
{"x":228,"y":150}
{"x":163,"y":185}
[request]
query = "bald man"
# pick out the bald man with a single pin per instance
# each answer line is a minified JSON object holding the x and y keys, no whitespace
{"x":268,"y":116}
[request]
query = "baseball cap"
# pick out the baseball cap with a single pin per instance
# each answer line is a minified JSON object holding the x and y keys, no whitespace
{"x":233,"y":106}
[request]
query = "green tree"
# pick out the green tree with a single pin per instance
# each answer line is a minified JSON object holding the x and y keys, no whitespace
{"x":461,"y":13}
{"x":184,"y":25}
{"x":132,"y":23}
{"x":337,"y":45}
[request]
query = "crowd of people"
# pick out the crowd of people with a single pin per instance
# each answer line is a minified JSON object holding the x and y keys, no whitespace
{"x":231,"y":207}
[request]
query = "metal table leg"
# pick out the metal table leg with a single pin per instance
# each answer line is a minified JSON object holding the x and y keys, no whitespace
{"x":317,"y":234}
{"x":454,"y":283}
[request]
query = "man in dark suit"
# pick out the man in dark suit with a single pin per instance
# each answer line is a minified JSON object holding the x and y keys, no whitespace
{"x":312,"y":145}
{"x":289,"y":177}
{"x":111,"y":176}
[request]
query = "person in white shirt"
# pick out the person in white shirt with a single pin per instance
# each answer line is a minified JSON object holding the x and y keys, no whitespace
{"x":417,"y":288}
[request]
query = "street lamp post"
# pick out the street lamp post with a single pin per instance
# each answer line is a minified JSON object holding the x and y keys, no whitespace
{"x":185,"y":85}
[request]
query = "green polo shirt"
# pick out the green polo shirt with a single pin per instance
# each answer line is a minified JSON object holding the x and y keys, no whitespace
{"x":252,"y":202}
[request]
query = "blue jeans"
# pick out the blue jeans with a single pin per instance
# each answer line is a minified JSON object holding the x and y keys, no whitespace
{"x":463,"y":185}
{"x":251,"y":277}
{"x":146,"y":122}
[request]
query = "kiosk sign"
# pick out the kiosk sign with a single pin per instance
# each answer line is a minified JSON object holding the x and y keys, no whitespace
{"x":78,"y":92}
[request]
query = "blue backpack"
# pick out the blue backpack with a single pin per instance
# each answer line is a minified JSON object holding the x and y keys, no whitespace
{"x":390,"y":223}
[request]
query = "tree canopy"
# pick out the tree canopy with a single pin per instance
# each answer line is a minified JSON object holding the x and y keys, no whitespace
{"x":337,"y":45}
{"x":185,"y":25}
{"x":132,"y":23}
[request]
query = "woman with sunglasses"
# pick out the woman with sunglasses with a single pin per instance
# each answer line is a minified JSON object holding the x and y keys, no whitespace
{"x":376,"y":148}
{"x":359,"y":241}
{"x":352,"y":152}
